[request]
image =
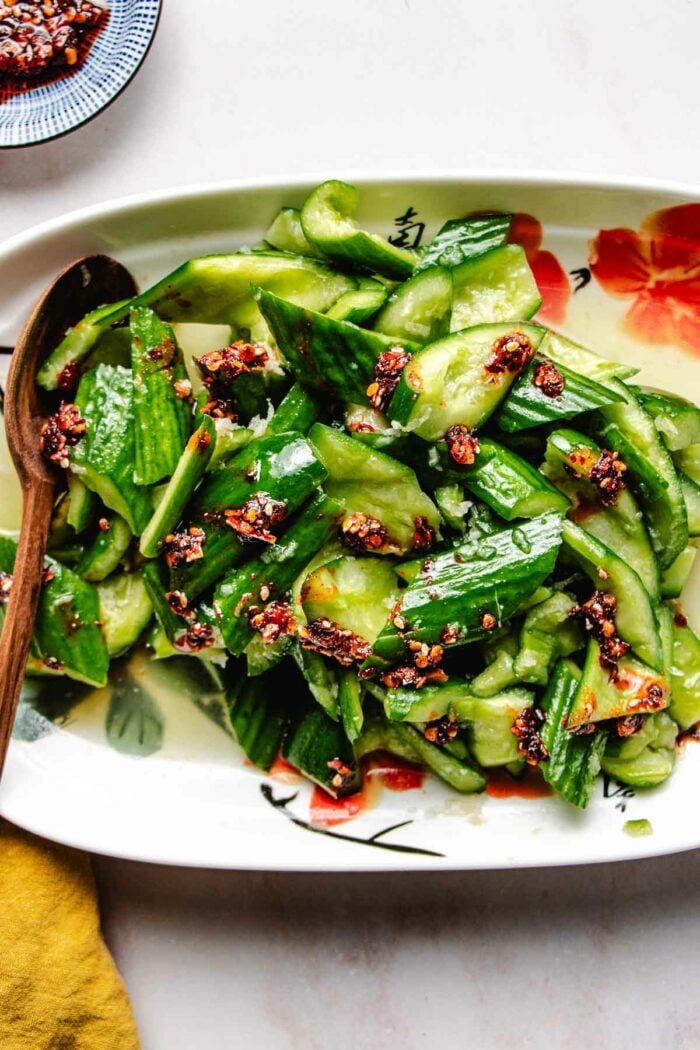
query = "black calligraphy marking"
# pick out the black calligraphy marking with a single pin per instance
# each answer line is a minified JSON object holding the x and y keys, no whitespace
{"x":611,"y":789}
{"x":280,"y":804}
{"x":410,"y":232}
{"x":581,"y":277}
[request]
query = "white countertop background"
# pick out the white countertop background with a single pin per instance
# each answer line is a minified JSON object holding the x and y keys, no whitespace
{"x":594,"y":957}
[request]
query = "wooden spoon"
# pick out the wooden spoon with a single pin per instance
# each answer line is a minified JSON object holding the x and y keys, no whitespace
{"x":87,"y":284}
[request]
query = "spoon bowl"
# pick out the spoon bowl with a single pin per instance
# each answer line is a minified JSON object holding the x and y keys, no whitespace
{"x":86,"y":284}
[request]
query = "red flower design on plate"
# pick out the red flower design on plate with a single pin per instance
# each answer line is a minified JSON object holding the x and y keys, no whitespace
{"x":658,"y":266}
{"x":548,"y":272}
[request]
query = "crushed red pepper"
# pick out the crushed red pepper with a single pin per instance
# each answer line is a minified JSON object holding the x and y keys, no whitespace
{"x":387,"y":372}
{"x":198,"y":636}
{"x":36,"y":36}
{"x":273,"y":621}
{"x":225,"y":365}
{"x":47,"y":576}
{"x":61,"y":432}
{"x":527,"y":729}
{"x":441,"y":731}
{"x":104,"y":525}
{"x":423,"y":534}
{"x":183,"y":389}
{"x":510,"y":353}
{"x":549,"y":379}
{"x":52,"y":663}
{"x":184,"y":546}
{"x":362,"y":533}
{"x":488,"y":621}
{"x":330,"y":639}
{"x":177,"y":600}
{"x":68,"y":378}
{"x":450,"y":634}
{"x":463,"y":444}
{"x":343,"y":776}
{"x":252,"y":520}
{"x":629,"y":725}
{"x":607,"y":474}
{"x":220,"y":408}
{"x":410,"y":677}
{"x":598,"y":617}
{"x":5,"y":587}
{"x":425,"y":655}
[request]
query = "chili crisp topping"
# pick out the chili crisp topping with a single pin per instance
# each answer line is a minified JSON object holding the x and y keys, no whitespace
{"x":273,"y":621}
{"x":607,"y":473}
{"x":253,"y":520}
{"x":598,"y":617}
{"x":527,"y":729}
{"x":362,"y":533}
{"x":510,"y":353}
{"x":330,"y":639}
{"x":184,"y":546}
{"x":37,"y":36}
{"x":549,"y":379}
{"x":463,"y":444}
{"x":61,"y":432}
{"x":441,"y":731}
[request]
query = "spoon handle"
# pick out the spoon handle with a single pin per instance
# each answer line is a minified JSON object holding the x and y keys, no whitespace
{"x":24,"y":600}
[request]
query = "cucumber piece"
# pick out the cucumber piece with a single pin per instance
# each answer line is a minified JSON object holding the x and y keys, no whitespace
{"x":635,"y":618}
{"x":286,"y":233}
{"x":366,"y":481}
{"x":453,"y":505}
{"x":504,"y":481}
{"x":599,"y":697}
{"x":419,"y":309}
{"x":261,"y":714}
{"x":489,"y":722}
{"x":458,"y":588}
{"x":283,"y":465}
{"x":350,"y":703}
{"x":427,"y":704}
{"x":547,"y":633}
{"x":189,"y":471}
{"x":630,"y":430}
{"x":230,"y":439}
{"x":321,"y":679}
{"x":498,"y":675}
{"x":684,"y":707}
{"x":105,"y":458}
{"x":461,"y":239}
{"x":401,"y":739}
{"x":675,"y":577}
{"x":359,"y":306}
{"x":77,"y":344}
{"x":61,"y":534}
{"x":275,"y":568}
{"x":587,"y":363}
{"x":357,"y":593}
{"x":327,"y":221}
{"x":495,"y":286}
{"x":573,"y":761}
{"x":448,"y":382}
{"x":688,"y":462}
{"x":66,"y":628}
{"x":112,"y":348}
{"x":296,"y":411}
{"x":82,"y":505}
{"x":261,"y":656}
{"x":677,"y":420}
{"x":527,"y":405}
{"x":691,"y":498}
{"x":569,"y":458}
{"x":106,"y":552}
{"x":332,"y":358}
{"x":318,"y":746}
{"x":161,"y":419}
{"x":645,"y":759}
{"x":125,"y":610}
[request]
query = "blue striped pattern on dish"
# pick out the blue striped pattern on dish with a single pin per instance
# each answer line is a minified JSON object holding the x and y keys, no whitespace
{"x":52,"y":109}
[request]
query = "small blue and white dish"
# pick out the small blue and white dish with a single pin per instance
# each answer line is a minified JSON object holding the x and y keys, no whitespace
{"x":33,"y":112}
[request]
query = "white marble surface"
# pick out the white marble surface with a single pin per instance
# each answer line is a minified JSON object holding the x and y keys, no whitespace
{"x":587,"y":957}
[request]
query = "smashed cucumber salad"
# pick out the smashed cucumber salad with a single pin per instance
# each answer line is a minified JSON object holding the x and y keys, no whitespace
{"x":394,"y":512}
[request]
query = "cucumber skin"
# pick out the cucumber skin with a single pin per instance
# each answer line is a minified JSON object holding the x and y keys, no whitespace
{"x":105,"y":457}
{"x":528,"y":406}
{"x":461,"y":239}
{"x":598,"y":698}
{"x":125,"y":610}
{"x":260,"y":714}
{"x":574,"y":761}
{"x":486,"y":277}
{"x":297,"y":411}
{"x":685,"y":677}
{"x":162,"y":420}
{"x":496,"y":575}
{"x":105,"y":553}
{"x":82,"y":504}
{"x":316,"y":741}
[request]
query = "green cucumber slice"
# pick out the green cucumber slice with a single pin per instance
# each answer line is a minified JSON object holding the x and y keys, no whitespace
{"x":677,"y":420}
{"x":599,"y":697}
{"x":125,"y":610}
{"x":489,"y":722}
{"x":676,"y":576}
{"x":684,"y":707}
{"x":286,"y":233}
{"x":528,"y":406}
{"x":359,"y":306}
{"x":106,"y":551}
{"x":461,"y":239}
{"x":419,"y":309}
{"x":495,"y":286}
{"x":357,"y":593}
{"x":573,"y":762}
{"x":647,"y":758}
{"x":586,"y":362}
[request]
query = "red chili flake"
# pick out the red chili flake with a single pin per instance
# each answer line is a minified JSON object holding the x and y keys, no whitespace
{"x":450,"y":634}
{"x":35,"y":36}
{"x":47,"y":576}
{"x":330,"y":639}
{"x":177,"y":600}
{"x":654,"y":696}
{"x":408,"y":676}
{"x":184,"y":546}
{"x":488,"y":621}
{"x":68,"y":377}
{"x":253,"y":519}
{"x":61,"y":432}
{"x":425,"y":655}
{"x":423,"y":534}
{"x":5,"y":587}
{"x":183,"y":389}
{"x":220,"y":408}
{"x":463,"y":444}
{"x":387,"y":372}
{"x":362,"y":533}
{"x":52,"y":663}
{"x":225,"y":365}
{"x":441,"y":731}
{"x":607,"y":473}
{"x":198,"y":636}
{"x":343,"y":776}
{"x":104,"y":525}
{"x":598,"y":616}
{"x":203,"y":441}
{"x":273,"y":621}
{"x":360,"y":426}
{"x":680,"y":619}
{"x":549,"y":379}
{"x":510,"y":353}
{"x":630,"y":725}
{"x":527,"y":729}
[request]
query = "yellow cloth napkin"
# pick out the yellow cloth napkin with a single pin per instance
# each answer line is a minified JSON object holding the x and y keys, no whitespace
{"x":59,"y":987}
